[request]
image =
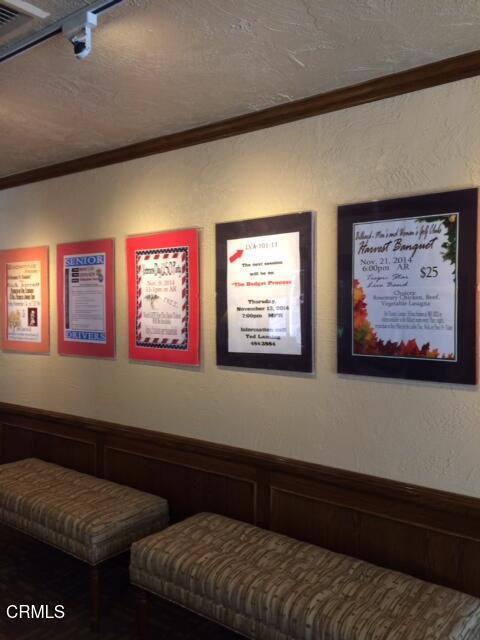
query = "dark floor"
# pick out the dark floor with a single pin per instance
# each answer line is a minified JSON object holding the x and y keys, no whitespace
{"x":33,"y":573}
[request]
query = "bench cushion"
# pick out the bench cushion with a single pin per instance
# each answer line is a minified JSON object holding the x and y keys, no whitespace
{"x":265,"y":585}
{"x":87,"y":517}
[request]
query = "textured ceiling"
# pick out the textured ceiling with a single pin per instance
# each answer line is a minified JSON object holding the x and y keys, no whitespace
{"x":160,"y":66}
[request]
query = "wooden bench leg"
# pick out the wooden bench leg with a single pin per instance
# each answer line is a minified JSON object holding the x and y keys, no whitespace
{"x":142,"y":606}
{"x":95,"y":597}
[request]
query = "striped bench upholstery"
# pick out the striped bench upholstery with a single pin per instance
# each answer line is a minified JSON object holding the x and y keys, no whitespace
{"x":87,"y":517}
{"x":271,"y":587}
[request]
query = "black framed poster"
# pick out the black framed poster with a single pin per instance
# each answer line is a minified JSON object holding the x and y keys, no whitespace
{"x":407,"y":280}
{"x":264,"y":293}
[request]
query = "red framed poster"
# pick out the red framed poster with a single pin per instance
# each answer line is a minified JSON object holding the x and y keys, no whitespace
{"x":163,"y":297}
{"x":85,"y":292}
{"x":25,"y":321}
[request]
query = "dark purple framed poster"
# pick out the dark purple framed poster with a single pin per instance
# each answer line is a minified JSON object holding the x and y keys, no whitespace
{"x":407,"y":287}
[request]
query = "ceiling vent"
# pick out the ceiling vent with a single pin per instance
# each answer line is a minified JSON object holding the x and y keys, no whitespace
{"x":11,"y":19}
{"x":41,"y":25}
{"x":18,"y":13}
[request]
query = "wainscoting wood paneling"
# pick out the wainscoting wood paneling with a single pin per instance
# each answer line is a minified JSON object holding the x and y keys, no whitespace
{"x":53,"y":444}
{"x":189,"y":485}
{"x":431,"y":534}
{"x":393,"y":543}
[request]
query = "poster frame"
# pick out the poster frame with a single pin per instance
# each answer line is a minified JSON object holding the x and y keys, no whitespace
{"x":81,"y":348}
{"x":287,"y":223}
{"x":462,"y":370}
{"x":7,"y":256}
{"x":162,"y":240}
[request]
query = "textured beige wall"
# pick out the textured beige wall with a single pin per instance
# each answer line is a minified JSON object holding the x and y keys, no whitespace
{"x":416,"y":432}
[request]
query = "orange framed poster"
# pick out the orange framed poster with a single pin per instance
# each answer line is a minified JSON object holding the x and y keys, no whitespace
{"x":24,"y":294}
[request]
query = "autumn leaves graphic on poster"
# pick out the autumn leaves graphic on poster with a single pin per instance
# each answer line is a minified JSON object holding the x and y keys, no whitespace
{"x":405,"y":276}
{"x":407,"y":287}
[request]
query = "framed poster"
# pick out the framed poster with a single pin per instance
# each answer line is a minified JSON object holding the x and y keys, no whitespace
{"x":264,"y":293}
{"x":163,"y":297}
{"x":85,"y":299}
{"x":407,"y":287}
{"x":25,"y":300}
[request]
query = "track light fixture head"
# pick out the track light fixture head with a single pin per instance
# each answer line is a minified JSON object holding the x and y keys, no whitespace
{"x":79,"y":31}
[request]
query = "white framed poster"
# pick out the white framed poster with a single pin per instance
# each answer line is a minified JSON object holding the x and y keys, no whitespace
{"x":264,"y":297}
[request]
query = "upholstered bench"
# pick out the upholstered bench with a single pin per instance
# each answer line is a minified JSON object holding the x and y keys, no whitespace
{"x":267,"y":586}
{"x":87,"y":517}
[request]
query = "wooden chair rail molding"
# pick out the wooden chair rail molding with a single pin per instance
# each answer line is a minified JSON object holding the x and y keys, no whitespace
{"x":459,"y":67}
{"x":431,"y":534}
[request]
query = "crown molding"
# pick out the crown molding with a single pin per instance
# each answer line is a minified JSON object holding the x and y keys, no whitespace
{"x":430,"y":75}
